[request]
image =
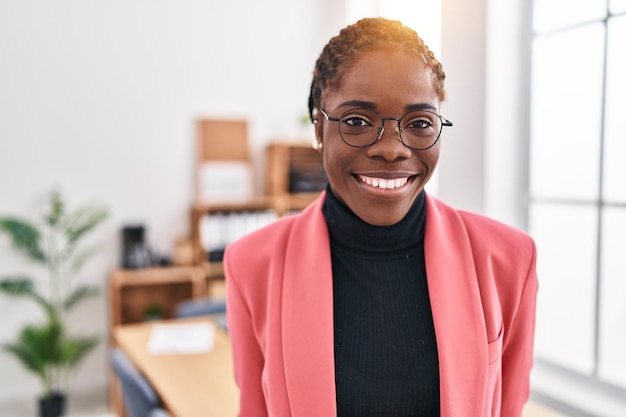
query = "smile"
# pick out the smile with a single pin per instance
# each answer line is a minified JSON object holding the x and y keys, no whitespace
{"x":385,"y":184}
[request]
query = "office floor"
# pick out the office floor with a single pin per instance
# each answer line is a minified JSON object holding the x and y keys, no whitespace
{"x":534,"y":409}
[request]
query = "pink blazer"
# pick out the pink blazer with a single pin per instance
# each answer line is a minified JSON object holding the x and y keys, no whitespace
{"x":482,"y":286}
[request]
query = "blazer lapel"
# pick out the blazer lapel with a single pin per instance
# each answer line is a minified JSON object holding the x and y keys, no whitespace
{"x":307,"y":317}
{"x":457,"y":312}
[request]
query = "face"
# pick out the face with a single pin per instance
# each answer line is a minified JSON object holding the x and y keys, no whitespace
{"x":379,"y":183}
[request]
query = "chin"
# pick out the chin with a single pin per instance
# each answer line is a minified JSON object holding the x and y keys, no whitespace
{"x":385,"y":215}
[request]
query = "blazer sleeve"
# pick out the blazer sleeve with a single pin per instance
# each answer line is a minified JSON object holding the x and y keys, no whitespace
{"x":517,"y":354}
{"x":247,"y":353}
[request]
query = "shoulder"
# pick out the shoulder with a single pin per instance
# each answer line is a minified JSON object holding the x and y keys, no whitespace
{"x":487,"y":233}
{"x":265,"y":242}
{"x":491,"y":236}
{"x":263,"y":252}
{"x":504,"y":257}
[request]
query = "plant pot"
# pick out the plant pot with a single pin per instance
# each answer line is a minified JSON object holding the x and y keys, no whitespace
{"x":52,"y":405}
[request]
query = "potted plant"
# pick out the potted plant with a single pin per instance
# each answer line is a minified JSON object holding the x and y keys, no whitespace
{"x":48,"y":349}
{"x":153,"y":312}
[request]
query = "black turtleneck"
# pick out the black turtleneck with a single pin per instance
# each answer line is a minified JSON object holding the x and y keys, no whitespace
{"x":386,"y":361}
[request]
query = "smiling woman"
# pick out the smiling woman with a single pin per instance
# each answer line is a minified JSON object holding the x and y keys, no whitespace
{"x":379,"y":299}
{"x":356,"y":172}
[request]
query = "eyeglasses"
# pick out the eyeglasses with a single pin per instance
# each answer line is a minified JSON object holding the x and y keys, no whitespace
{"x":360,"y":128}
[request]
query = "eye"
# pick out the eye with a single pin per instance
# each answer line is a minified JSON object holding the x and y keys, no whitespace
{"x":359,"y":119}
{"x":419,"y":121}
{"x":419,"y":124}
{"x":356,"y":121}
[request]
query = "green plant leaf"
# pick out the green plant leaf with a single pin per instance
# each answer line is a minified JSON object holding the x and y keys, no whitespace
{"x":29,"y":359}
{"x":78,"y":294}
{"x":74,"y":350}
{"x":25,"y":237}
{"x":17,"y":286}
{"x":82,"y":220}
{"x":57,"y":208}
{"x":24,"y":287}
{"x":45,"y":340}
{"x":37,"y":347}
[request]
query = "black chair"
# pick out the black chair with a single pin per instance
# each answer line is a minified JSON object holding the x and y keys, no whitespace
{"x":140,"y":399}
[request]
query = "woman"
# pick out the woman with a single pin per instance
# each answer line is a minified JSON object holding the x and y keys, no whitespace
{"x":379,"y":300}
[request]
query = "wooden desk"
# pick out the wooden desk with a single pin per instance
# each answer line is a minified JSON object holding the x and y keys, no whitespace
{"x":190,"y":385}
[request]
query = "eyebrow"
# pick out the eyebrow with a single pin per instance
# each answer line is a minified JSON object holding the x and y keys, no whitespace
{"x":371,"y":105}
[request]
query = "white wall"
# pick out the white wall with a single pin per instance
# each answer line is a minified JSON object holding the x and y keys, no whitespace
{"x":99,"y":98}
{"x":461,"y":165}
{"x":485,"y":56}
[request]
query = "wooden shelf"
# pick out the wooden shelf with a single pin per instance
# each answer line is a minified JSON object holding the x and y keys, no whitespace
{"x":252,"y":204}
{"x":132,"y":291}
{"x":213,"y":270}
{"x":199,"y":210}
{"x":294,"y":175}
{"x":293,"y":202}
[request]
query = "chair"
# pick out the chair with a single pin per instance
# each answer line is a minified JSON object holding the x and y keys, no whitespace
{"x":200,"y":307}
{"x":158,"y":412}
{"x":140,"y":399}
{"x":203,"y":307}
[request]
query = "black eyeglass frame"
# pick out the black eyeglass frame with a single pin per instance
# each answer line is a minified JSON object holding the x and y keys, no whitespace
{"x":381,"y":129}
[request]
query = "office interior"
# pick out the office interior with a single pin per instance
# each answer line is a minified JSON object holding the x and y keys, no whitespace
{"x":102,"y":100}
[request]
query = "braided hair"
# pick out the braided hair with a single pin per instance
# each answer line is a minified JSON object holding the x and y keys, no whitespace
{"x":340,"y":54}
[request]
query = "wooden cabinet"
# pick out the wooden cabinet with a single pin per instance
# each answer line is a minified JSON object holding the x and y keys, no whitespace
{"x":133,"y":292}
{"x":294,"y":175}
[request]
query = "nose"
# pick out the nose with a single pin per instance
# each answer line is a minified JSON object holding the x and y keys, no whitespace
{"x":389,"y":145}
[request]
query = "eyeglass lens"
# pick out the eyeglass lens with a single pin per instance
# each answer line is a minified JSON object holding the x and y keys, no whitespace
{"x":363,"y":127}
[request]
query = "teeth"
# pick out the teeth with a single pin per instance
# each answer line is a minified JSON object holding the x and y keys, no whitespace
{"x":384,"y":183}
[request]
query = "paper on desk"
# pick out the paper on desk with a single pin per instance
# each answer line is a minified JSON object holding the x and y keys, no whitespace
{"x":181,"y":338}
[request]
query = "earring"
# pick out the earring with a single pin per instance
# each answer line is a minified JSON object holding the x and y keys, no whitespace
{"x":317,"y":144}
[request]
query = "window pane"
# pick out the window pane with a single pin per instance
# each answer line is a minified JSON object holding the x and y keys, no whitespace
{"x":613,"y":294}
{"x":566,"y":113}
{"x":617,"y":6}
{"x":554,"y":14}
{"x":615,"y":128}
{"x":566,"y":266}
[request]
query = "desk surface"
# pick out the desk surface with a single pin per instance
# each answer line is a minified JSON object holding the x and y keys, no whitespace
{"x":190,"y":385}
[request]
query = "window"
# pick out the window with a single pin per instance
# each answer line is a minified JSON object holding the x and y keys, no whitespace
{"x":577,"y":189}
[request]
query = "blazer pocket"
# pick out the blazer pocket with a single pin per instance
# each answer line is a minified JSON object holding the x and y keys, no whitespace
{"x":495,"y":348}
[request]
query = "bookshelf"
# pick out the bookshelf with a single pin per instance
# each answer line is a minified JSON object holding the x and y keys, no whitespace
{"x":213,"y":269}
{"x":294,"y":175}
